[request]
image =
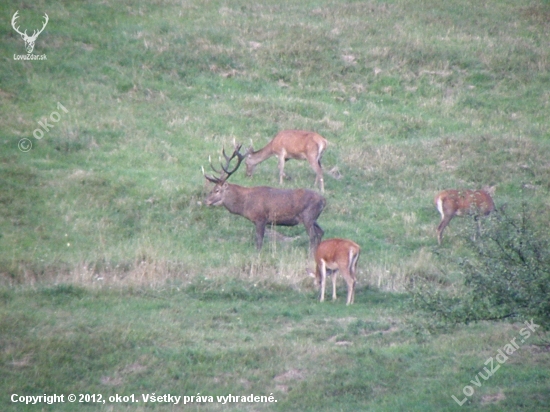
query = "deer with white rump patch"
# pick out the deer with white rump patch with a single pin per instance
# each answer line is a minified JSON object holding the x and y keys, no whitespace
{"x":451,"y":203}
{"x":291,"y":144}
{"x":264,"y":205}
{"x":333,"y":255}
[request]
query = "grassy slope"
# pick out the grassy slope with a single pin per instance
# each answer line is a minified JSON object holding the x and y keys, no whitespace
{"x":413,"y":96}
{"x":235,"y":338}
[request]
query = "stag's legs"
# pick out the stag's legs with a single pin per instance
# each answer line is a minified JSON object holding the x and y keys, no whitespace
{"x":315,"y":235}
{"x":260,"y":232}
{"x":318,"y":234}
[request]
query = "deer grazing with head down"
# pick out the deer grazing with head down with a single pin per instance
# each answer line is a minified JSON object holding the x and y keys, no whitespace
{"x":291,"y":144}
{"x":29,"y":40}
{"x":451,"y":203}
{"x":333,"y":255}
{"x":264,"y":205}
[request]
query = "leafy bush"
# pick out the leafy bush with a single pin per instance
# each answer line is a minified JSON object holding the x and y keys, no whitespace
{"x":506,"y":274}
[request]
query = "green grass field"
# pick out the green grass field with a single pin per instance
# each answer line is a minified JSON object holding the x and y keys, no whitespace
{"x":115,"y":278}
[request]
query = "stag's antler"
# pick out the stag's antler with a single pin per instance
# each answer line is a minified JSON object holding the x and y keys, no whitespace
{"x":228,"y":159}
{"x":15,"y":17}
{"x":29,"y":40}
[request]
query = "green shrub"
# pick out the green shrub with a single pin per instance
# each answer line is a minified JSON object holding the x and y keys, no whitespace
{"x":505,"y":271}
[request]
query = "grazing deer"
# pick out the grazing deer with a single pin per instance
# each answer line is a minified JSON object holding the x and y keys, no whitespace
{"x":266,"y":205}
{"x":291,"y":144}
{"x":29,"y":40}
{"x":451,"y":203}
{"x":334,"y":255}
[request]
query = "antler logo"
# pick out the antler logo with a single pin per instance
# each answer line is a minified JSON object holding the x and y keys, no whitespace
{"x":29,"y":40}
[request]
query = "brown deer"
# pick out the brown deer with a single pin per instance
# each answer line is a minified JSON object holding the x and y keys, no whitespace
{"x":291,"y":144}
{"x":451,"y":203}
{"x":333,"y":255}
{"x":266,"y":205}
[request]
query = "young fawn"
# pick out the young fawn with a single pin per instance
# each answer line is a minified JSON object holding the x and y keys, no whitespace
{"x":451,"y":203}
{"x":335,"y":255}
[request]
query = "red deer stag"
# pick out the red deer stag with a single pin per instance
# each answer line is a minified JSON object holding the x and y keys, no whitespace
{"x":451,"y":203}
{"x":266,"y":205}
{"x":291,"y":144}
{"x":334,"y":255}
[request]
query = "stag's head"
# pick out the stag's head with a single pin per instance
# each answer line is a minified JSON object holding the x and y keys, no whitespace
{"x":29,"y":40}
{"x":217,"y":195}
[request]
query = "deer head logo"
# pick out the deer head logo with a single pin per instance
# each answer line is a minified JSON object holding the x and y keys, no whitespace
{"x":29,"y":40}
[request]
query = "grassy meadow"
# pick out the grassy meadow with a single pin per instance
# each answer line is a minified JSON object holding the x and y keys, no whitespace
{"x":115,"y":278}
